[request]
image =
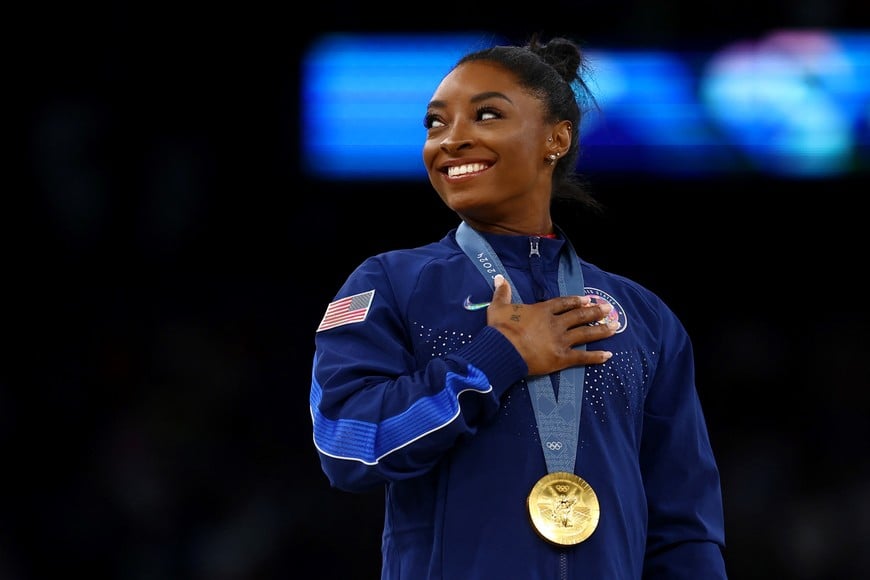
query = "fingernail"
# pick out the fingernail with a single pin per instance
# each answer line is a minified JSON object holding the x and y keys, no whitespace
{"x":498,"y":280}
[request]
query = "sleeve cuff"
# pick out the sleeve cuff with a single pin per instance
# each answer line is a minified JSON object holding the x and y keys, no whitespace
{"x":493,"y":353}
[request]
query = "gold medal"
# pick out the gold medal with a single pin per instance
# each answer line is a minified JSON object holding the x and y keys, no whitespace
{"x":563,"y":508}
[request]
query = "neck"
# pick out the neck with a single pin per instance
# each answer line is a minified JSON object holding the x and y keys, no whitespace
{"x":544,"y":229}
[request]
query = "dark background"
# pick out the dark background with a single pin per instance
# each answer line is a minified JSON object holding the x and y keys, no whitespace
{"x":167,"y":263}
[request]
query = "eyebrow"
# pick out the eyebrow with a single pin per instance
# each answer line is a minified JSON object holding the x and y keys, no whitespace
{"x":475,"y":99}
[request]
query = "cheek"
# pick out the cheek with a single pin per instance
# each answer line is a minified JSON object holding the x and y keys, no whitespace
{"x":430,"y":149}
{"x":523,"y":157}
{"x":522,"y":144}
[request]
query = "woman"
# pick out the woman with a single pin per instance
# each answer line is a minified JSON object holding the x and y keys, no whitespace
{"x":528,"y":414}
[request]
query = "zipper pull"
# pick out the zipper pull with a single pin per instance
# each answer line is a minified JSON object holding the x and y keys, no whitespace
{"x":536,"y":263}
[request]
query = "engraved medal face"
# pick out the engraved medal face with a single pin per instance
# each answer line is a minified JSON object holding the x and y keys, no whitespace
{"x":563,"y":508}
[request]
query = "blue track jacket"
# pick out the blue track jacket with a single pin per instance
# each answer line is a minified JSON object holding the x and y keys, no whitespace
{"x":411,"y":391}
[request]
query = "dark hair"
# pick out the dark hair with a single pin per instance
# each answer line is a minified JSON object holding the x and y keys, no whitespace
{"x":552,"y":72}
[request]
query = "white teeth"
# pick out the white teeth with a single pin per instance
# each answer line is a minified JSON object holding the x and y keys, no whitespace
{"x":463,"y":169}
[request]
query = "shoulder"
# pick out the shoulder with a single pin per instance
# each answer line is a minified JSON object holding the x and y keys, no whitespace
{"x":404,"y":261}
{"x":594,"y":275}
{"x":396,"y":280}
{"x":400,"y":271}
{"x":632,"y":301}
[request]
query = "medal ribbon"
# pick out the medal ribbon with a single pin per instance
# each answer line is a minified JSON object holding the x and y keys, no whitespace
{"x":558,"y":419}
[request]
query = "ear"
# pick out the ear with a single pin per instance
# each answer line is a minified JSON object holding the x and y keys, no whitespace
{"x":561,"y":138}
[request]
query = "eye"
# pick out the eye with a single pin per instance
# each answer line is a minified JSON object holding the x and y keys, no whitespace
{"x":488,"y":113}
{"x":431,"y":121}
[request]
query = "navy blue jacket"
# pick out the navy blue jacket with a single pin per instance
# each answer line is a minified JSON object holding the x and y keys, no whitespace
{"x":413,"y":392}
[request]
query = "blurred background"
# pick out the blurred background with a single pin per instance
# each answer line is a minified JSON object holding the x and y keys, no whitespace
{"x":193,"y":184}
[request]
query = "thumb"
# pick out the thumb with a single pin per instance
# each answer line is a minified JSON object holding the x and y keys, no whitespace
{"x":502,"y":292}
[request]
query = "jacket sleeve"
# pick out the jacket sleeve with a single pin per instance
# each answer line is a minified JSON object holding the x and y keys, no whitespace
{"x":379,"y":416}
{"x":685,"y":538}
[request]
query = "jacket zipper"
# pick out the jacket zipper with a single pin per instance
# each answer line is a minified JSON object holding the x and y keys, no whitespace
{"x":536,"y":264}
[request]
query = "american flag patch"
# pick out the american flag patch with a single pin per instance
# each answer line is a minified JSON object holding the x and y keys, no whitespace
{"x":347,"y":310}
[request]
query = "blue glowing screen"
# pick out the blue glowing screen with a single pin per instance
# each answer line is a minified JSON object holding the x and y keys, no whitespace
{"x":789,"y":103}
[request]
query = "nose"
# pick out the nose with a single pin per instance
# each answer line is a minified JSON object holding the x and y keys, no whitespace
{"x":456,"y":139}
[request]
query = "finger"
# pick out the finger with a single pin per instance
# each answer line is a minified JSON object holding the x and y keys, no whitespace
{"x":592,"y":357}
{"x":594,"y":314}
{"x":502,"y":292}
{"x":586,"y":333}
{"x":567,"y":303}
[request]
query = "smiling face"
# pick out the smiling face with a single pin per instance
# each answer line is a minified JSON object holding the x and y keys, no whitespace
{"x":486,"y":148}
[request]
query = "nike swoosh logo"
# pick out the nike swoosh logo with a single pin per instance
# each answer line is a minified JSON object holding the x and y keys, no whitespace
{"x":469,"y":305}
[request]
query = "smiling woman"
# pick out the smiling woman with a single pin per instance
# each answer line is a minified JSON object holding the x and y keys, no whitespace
{"x":528,"y":414}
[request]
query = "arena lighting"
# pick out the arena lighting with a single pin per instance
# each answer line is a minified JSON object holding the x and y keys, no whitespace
{"x":795,"y":103}
{"x":791,"y":103}
{"x":363,"y":99}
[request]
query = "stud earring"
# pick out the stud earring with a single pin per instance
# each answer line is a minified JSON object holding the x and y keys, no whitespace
{"x":551,"y":158}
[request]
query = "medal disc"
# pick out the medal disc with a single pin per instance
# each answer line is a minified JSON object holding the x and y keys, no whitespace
{"x":563,"y":508}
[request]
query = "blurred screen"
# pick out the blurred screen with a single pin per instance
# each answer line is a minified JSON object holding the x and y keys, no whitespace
{"x":790,"y":103}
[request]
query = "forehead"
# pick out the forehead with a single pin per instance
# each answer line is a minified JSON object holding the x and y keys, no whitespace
{"x":472,"y":78}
